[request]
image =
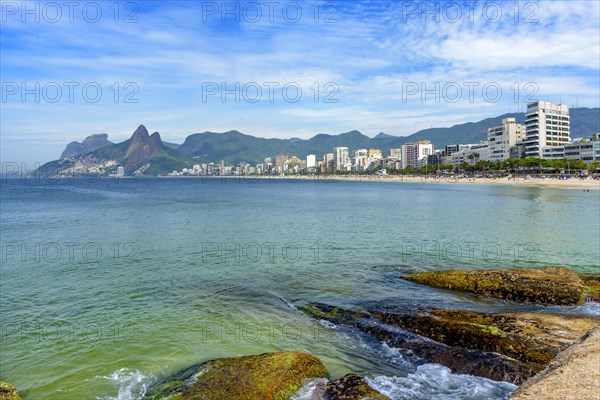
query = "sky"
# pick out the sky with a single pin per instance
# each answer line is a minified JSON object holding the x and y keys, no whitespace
{"x":282,"y":68}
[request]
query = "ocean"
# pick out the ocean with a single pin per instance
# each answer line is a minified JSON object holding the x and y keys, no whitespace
{"x":109,"y":284}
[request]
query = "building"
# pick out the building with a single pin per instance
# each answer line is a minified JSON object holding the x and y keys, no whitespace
{"x":311,"y":161}
{"x":360,"y":159}
{"x":329,"y":162}
{"x":395,"y":154}
{"x":502,"y":138}
{"x":586,"y":149}
{"x":413,"y":152}
{"x":374,"y":154}
{"x":553,"y":152}
{"x":451,"y":148}
{"x":470,"y":153}
{"x":546,"y":125}
{"x":340,"y":158}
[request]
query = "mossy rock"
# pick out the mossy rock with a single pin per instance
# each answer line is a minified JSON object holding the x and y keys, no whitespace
{"x":8,"y":392}
{"x":510,"y":347}
{"x":592,"y":286}
{"x":551,"y":285}
{"x":351,"y":387}
{"x":533,"y":338}
{"x":269,"y":376}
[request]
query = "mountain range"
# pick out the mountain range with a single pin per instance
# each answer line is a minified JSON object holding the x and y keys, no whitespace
{"x":148,"y":154}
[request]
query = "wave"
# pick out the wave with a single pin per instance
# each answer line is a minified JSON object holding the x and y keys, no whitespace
{"x":429,"y":381}
{"x":130,"y":384}
{"x":434,"y":381}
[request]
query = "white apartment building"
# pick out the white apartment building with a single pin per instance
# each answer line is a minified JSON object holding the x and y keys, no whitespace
{"x":360,"y":159}
{"x":340,"y":158}
{"x":503,"y":137}
{"x":395,"y":154}
{"x":413,"y":152}
{"x":471,"y":153}
{"x":311,"y":161}
{"x":546,"y":125}
{"x":586,"y":149}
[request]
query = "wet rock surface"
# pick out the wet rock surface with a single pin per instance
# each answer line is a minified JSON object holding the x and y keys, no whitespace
{"x":351,"y":387}
{"x":8,"y":392}
{"x":551,"y":285}
{"x":509,"y":347}
{"x":269,"y":376}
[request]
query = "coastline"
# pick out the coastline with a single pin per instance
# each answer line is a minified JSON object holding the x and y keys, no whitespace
{"x":586,"y":184}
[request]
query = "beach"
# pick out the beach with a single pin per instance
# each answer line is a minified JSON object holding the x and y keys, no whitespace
{"x":572,"y":183}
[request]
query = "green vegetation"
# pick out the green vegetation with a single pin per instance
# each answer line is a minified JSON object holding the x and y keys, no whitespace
{"x":511,"y":165}
{"x":269,"y":376}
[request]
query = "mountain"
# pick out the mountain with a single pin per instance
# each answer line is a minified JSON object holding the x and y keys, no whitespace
{"x":234,"y":146}
{"x":584,"y":122}
{"x":148,"y":154}
{"x":90,"y":143}
{"x":171,"y":145}
{"x":141,"y":154}
{"x":382,"y":135}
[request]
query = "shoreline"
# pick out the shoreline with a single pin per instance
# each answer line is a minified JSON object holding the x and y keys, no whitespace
{"x":554,"y":183}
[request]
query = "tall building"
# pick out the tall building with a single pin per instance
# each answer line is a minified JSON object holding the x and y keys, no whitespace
{"x":280,"y":162}
{"x":311,"y":161}
{"x":329,"y":162}
{"x":502,"y":138}
{"x":413,"y":152}
{"x":546,"y":125}
{"x":340,"y":158}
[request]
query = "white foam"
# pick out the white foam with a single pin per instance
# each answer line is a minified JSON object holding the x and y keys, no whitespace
{"x":589,"y":308}
{"x":434,"y":381}
{"x":131,"y":384}
{"x":308,"y":391}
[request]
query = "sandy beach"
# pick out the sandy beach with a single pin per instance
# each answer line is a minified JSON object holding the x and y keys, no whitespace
{"x":573,"y":183}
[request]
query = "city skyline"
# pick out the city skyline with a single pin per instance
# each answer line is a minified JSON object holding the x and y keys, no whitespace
{"x":389,"y":59}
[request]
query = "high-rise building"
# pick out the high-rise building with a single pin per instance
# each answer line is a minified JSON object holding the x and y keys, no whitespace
{"x":311,"y":161}
{"x":340,"y":158}
{"x":546,"y":125}
{"x":395,"y":154}
{"x":413,"y":152}
{"x":502,"y":138}
{"x":329,"y":162}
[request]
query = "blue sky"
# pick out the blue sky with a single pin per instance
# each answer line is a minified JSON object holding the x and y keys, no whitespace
{"x":375,"y":60}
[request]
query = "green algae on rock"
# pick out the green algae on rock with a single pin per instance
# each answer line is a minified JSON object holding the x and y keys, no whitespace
{"x":549,"y":285}
{"x":269,"y":376}
{"x":8,"y":392}
{"x":592,"y":286}
{"x":351,"y":387}
{"x":510,"y":347}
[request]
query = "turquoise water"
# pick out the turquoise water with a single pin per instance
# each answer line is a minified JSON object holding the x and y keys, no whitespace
{"x":109,"y":284}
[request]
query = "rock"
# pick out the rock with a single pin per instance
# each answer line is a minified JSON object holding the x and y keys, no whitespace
{"x":552,"y":285}
{"x":351,"y":387}
{"x":573,"y":375}
{"x":510,"y":347}
{"x":269,"y":376}
{"x":8,"y":392}
{"x":592,"y":286}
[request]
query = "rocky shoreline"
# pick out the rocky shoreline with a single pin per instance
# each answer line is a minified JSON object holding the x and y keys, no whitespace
{"x":550,"y":355}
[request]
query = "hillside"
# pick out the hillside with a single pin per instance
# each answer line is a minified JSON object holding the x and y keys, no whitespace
{"x":234,"y":146}
{"x":89,"y":144}
{"x":142,"y":153}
